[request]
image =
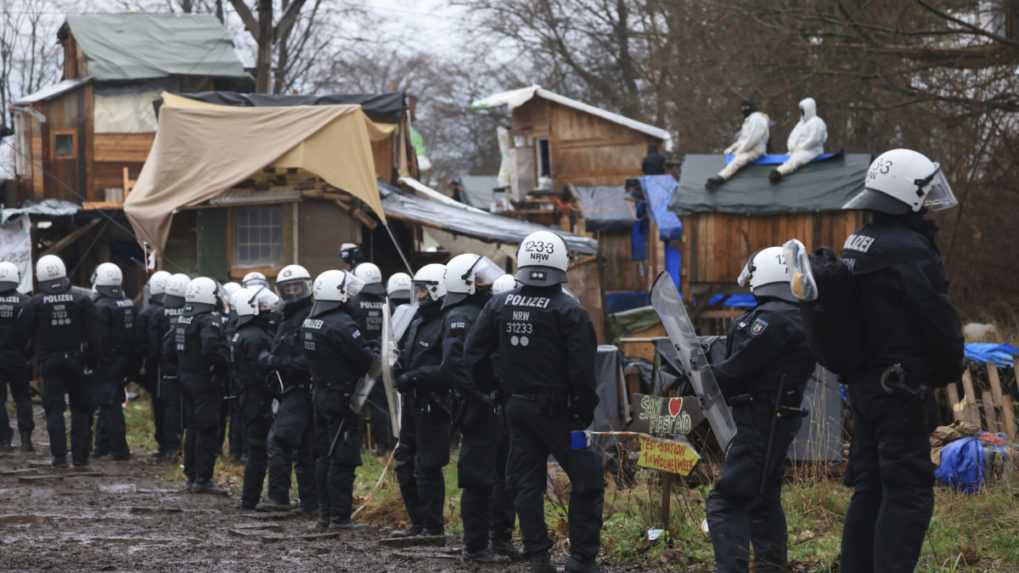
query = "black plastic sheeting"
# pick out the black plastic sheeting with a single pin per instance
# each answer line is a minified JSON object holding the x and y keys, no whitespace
{"x":608,"y":417}
{"x":483,"y":226}
{"x":605,"y":208}
{"x":386,"y":107}
{"x":819,"y":186}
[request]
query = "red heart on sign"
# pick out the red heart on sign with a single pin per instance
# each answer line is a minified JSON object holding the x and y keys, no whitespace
{"x":675,"y":405}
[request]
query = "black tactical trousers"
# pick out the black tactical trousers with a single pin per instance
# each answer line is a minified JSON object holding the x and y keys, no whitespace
{"x":62,"y":376}
{"x":202,"y":399}
{"x":18,"y":379}
{"x":422,"y":452}
{"x":892,"y":476}
{"x":378,"y":412}
{"x":150,"y":381}
{"x":171,"y":402}
{"x":337,"y":428}
{"x":744,"y":509}
{"x":486,"y":505}
{"x":256,"y":410}
{"x":232,"y":428}
{"x":111,"y":432}
{"x":536,"y":431}
{"x":292,"y":450}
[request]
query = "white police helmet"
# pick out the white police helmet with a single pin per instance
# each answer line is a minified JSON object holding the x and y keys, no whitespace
{"x":505,"y":283}
{"x":399,"y":285}
{"x":766,"y":274}
{"x":157,"y":282}
{"x":202,"y":290}
{"x":542,"y":259}
{"x":466,"y":273}
{"x":178,"y":285}
{"x":369,"y":273}
{"x":901,"y":181}
{"x":107,"y":275}
{"x":336,"y":286}
{"x":50,"y":268}
{"x":430,"y":282}
{"x":254,"y":278}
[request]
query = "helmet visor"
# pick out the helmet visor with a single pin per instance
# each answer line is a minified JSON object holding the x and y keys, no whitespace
{"x":352,"y":284}
{"x":485,"y":272}
{"x":939,"y":192}
{"x":744,"y":276}
{"x":294,"y":290}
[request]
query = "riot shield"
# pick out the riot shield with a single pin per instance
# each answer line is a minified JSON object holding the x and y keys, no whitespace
{"x":388,"y":357}
{"x":667,"y":303}
{"x":400,"y":321}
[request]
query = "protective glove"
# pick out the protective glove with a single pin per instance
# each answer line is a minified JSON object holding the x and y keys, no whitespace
{"x":267,"y":360}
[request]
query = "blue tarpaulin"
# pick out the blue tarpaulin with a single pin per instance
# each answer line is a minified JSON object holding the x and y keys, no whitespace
{"x":1002,"y":355}
{"x":734,"y":300}
{"x":779,"y":158}
{"x":658,"y":189}
{"x":964,"y":462}
{"x":673,"y":263}
{"x":638,"y":234}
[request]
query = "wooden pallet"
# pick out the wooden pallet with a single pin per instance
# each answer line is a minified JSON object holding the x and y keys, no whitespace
{"x":984,"y":401}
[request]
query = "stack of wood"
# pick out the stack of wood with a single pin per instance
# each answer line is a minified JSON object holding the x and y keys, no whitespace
{"x":983,"y":399}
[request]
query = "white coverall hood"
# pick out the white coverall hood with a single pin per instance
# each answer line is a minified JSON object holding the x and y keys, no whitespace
{"x":806,"y":140}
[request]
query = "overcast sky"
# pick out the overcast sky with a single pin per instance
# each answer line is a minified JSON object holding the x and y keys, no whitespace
{"x":430,"y":25}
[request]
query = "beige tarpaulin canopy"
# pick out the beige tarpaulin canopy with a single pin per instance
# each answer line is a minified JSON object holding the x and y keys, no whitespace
{"x":202,"y":150}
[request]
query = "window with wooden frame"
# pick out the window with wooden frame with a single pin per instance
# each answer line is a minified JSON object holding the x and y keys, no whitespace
{"x":64,"y":144}
{"x":259,"y":236}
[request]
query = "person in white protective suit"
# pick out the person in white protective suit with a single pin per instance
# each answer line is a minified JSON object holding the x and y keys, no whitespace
{"x":806,"y":141}
{"x":751,"y":143}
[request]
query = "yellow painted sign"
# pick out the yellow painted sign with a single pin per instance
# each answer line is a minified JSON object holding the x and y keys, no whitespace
{"x":674,"y":457}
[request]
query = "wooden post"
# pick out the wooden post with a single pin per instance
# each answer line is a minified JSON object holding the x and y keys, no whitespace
{"x":972,"y":414}
{"x":1002,"y":400}
{"x":953,"y":401}
{"x":666,"y":499}
{"x":987,"y":399}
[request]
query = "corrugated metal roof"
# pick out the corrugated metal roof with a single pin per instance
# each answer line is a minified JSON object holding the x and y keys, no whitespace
{"x":50,"y":92}
{"x":518,"y":97}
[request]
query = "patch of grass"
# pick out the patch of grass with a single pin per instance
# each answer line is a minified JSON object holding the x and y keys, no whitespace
{"x":968,"y":533}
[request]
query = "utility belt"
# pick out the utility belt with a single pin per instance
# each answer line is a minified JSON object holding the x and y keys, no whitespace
{"x":549,"y":401}
{"x":786,"y":406}
{"x":320,"y":384}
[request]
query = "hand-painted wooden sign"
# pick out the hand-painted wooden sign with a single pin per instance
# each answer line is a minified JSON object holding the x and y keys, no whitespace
{"x":664,"y":416}
{"x":672,"y":456}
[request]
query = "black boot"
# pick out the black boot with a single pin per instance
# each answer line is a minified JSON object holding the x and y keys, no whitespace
{"x":579,"y":565}
{"x":540,"y":563}
{"x":26,"y":442}
{"x":207,"y":487}
{"x":506,"y":548}
{"x":485,"y":555}
{"x":775,"y":176}
{"x":713,"y":183}
{"x":412,"y":531}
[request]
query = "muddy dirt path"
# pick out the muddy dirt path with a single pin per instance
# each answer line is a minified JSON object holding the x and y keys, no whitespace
{"x":126,"y":516}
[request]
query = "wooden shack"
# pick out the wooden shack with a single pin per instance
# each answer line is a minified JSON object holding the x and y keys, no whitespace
{"x":85,"y":138}
{"x":722,"y":228}
{"x":560,"y":149}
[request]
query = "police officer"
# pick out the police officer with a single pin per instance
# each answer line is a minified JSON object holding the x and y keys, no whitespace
{"x":14,"y":350}
{"x":292,"y":437}
{"x":766,"y":367}
{"x":469,"y":281}
{"x":200,"y":349}
{"x":61,"y":319}
{"x":338,"y":356}
{"x":150,"y":370}
{"x":116,"y":357}
{"x":231,"y":420}
{"x":425,"y":420}
{"x":253,"y":334}
{"x":881,"y":319}
{"x":505,"y":283}
{"x":254,"y":278}
{"x":368,"y":313}
{"x":545,"y":345}
{"x":168,"y":389}
{"x":350,"y":253}
{"x":398,"y":290}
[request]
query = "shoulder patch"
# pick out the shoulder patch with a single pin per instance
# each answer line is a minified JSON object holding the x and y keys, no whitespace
{"x":758,"y":327}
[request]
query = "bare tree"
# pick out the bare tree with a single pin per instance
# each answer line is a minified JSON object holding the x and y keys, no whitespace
{"x":28,"y":55}
{"x":266,"y":33}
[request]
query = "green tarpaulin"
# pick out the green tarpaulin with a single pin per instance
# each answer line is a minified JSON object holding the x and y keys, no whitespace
{"x":819,"y":186}
{"x":122,"y":47}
